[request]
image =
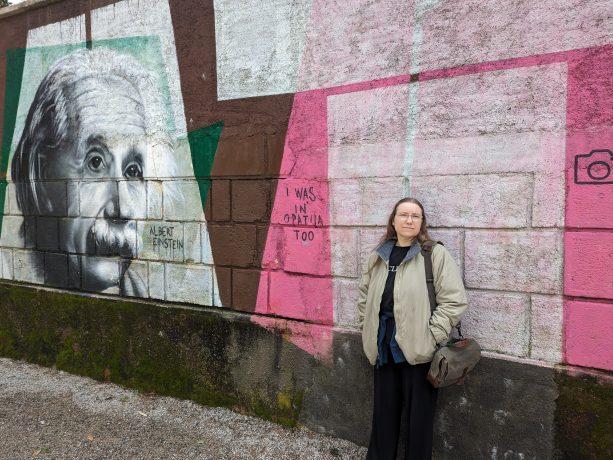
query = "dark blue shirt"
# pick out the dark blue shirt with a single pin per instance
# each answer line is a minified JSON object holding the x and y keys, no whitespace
{"x":395,"y":256}
{"x":386,"y":340}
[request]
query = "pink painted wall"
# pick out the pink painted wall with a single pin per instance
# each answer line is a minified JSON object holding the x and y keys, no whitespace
{"x":588,"y":255}
{"x":588,"y":333}
{"x":564,"y":266}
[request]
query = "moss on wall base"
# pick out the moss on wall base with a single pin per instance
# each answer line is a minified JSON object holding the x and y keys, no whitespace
{"x":221,"y":358}
{"x":584,"y":416}
{"x":185,"y":353}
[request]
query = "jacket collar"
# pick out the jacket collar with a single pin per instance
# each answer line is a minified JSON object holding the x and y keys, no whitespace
{"x":385,"y":250}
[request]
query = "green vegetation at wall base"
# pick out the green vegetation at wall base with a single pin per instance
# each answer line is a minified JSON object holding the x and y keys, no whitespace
{"x":584,"y":416}
{"x":184,"y":353}
{"x":284,"y":411}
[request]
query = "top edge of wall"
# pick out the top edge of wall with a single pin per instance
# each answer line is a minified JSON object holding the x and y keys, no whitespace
{"x":23,"y":7}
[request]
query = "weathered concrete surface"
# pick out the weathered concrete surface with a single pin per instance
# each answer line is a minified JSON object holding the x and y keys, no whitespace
{"x":214,"y":358}
{"x":49,"y":414}
{"x":508,"y":406}
{"x":584,"y":424}
{"x":224,"y":359}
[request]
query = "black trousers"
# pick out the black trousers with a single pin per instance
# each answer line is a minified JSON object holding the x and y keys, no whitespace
{"x":397,"y":387}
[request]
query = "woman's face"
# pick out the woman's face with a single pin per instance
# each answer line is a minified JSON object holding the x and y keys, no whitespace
{"x":407,"y":222}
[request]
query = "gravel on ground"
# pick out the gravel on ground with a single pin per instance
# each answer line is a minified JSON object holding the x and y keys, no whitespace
{"x":50,"y":414}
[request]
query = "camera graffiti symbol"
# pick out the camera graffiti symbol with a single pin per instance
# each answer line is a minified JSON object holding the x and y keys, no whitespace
{"x":595,"y":167}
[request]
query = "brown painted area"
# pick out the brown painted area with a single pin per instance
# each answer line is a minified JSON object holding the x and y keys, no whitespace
{"x":251,"y":147}
{"x":220,"y":201}
{"x":274,"y":146}
{"x":224,"y":281}
{"x":241,"y":157}
{"x":244,"y":282}
{"x":236,"y":244}
{"x":255,"y":210}
{"x":262,"y":234}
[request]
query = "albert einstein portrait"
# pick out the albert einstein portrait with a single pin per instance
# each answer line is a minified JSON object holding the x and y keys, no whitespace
{"x":96,"y":124}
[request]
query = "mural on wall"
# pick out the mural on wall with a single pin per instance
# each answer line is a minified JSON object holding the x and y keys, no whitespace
{"x":105,"y":184}
{"x":330,"y":117}
{"x":479,"y":134}
{"x":90,"y":124}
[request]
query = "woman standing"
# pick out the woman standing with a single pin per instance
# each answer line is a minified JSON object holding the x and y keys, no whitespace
{"x":399,"y":332}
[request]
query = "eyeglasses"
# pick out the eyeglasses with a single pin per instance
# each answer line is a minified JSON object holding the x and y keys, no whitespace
{"x":412,"y":217}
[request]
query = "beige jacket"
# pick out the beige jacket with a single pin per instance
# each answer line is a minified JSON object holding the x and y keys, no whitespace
{"x":417,"y":332}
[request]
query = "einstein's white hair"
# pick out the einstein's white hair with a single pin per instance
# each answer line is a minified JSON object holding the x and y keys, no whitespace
{"x":48,"y":123}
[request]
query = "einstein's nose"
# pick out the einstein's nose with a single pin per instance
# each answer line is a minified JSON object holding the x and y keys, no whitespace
{"x":128,"y":199}
{"x":112,"y":209}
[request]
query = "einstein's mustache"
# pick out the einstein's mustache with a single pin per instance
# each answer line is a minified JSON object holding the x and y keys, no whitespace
{"x":113,"y":238}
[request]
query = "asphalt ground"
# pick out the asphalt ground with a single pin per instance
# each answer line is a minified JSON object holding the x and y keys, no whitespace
{"x":50,"y":414}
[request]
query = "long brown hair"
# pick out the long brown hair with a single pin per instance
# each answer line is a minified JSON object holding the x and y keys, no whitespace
{"x":390,"y":232}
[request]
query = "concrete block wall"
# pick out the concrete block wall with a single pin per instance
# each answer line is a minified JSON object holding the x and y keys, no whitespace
{"x":253,"y":171}
{"x":483,"y":142}
{"x":331,"y":112}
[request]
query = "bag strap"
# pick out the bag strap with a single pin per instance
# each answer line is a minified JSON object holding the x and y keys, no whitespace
{"x":426,"y":251}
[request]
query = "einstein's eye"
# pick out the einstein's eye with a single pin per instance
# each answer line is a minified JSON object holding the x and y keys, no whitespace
{"x":133,"y":171}
{"x":96,"y":163}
